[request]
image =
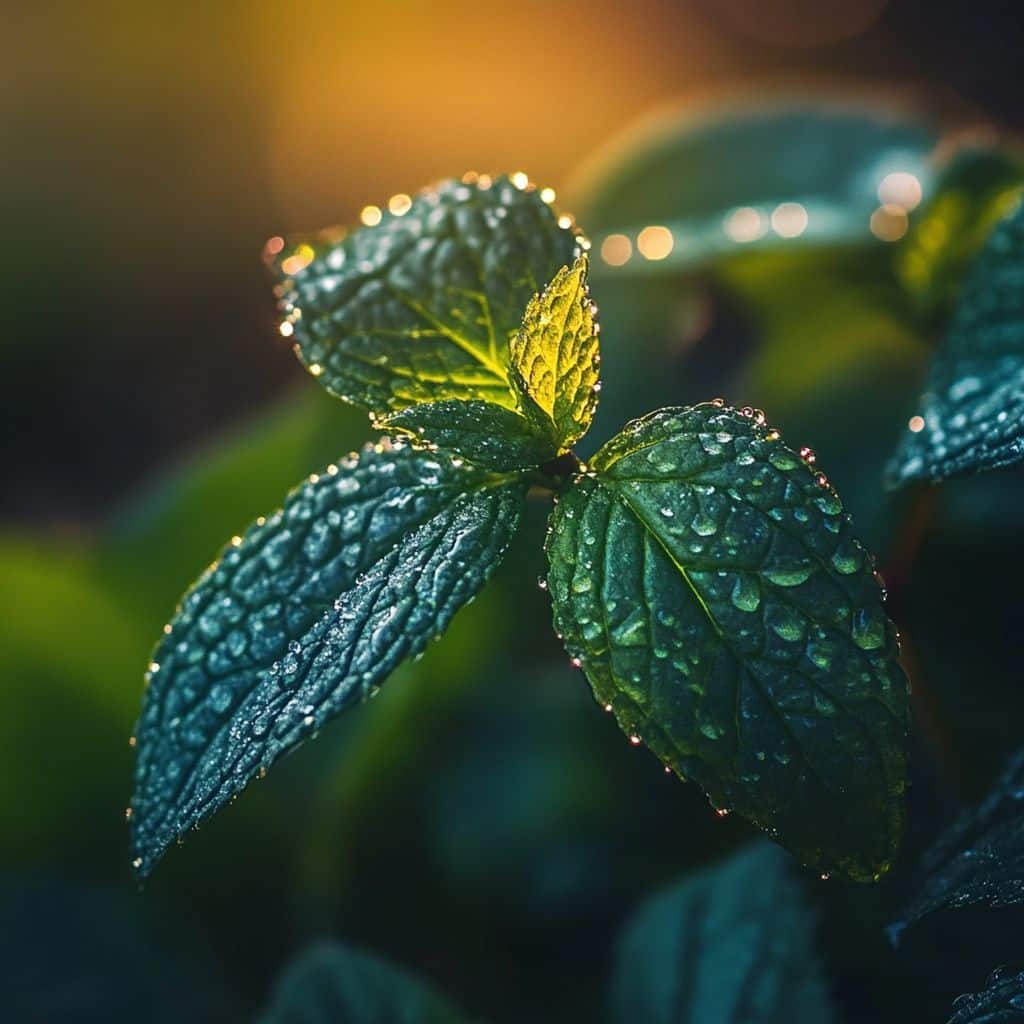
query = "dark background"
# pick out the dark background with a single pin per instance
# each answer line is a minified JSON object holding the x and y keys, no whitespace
{"x":481,"y":822}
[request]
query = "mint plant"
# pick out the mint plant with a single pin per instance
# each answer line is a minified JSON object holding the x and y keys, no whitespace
{"x":703,"y":574}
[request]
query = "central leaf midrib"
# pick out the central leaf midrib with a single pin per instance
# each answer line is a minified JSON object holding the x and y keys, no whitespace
{"x":645,"y":522}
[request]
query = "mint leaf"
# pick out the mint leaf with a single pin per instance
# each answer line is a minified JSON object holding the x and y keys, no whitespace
{"x":980,"y":858}
{"x":1002,"y":999}
{"x":730,"y":945}
{"x":555,"y":358}
{"x":489,"y":435}
{"x":330,"y":984}
{"x":305,"y":616}
{"x":971,"y":415}
{"x":421,"y":307}
{"x":710,"y":585}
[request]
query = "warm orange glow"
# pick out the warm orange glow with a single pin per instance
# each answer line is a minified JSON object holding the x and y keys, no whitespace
{"x":299,"y":260}
{"x":655,"y":242}
{"x":616,"y":250}
{"x":400,"y":205}
{"x":916,"y":424}
{"x":889,"y":223}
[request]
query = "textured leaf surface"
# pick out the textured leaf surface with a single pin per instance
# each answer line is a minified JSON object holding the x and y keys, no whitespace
{"x":971,"y":415}
{"x":330,"y":984}
{"x":1001,"y":1000}
{"x":712,"y":589}
{"x":304,"y":616}
{"x":732,"y":945}
{"x":980,"y":859}
{"x":489,"y":435}
{"x":555,"y":358}
{"x":421,"y":307}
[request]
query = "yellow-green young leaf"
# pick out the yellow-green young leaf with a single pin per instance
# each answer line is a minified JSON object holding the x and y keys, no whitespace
{"x":330,"y":984}
{"x":555,"y":358}
{"x":421,"y":306}
{"x":303,"y":617}
{"x":489,"y":435}
{"x":707,"y":579}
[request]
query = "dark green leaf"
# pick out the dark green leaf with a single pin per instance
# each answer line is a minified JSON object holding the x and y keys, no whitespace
{"x":489,"y":435}
{"x":971,"y":415}
{"x":421,"y":307}
{"x":330,"y":984}
{"x":710,"y":585}
{"x":980,"y":859}
{"x":555,"y":357}
{"x":731,"y":945}
{"x":1001,"y":1000}
{"x":717,"y":179}
{"x":304,"y":616}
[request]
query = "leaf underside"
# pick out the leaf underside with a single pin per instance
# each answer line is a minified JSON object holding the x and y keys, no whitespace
{"x":421,"y":307}
{"x":1001,"y":1000}
{"x":730,"y":945}
{"x":979,"y":860}
{"x":304,"y":616}
{"x":972,"y":409}
{"x":712,"y":589}
{"x":555,"y":359}
{"x":330,"y":984}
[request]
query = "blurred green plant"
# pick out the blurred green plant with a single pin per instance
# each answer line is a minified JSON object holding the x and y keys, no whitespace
{"x":463,"y":779}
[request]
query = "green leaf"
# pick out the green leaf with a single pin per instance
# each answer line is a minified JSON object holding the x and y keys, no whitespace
{"x":730,"y":945}
{"x":303,"y":617}
{"x":555,"y":358}
{"x":979,"y":861}
{"x":971,"y":415}
{"x":330,"y":984}
{"x":487,"y":434}
{"x":712,"y":589}
{"x":974,"y":191}
{"x":1001,"y":1000}
{"x":714,"y":178}
{"x":421,"y":307}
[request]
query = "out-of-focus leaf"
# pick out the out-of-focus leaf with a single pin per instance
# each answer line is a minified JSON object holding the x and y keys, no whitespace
{"x":555,"y":358}
{"x":1001,"y":1000}
{"x":971,"y":415}
{"x":149,"y":551}
{"x":71,"y":653}
{"x":980,"y":858}
{"x":970,"y":196}
{"x":835,"y":359}
{"x":729,"y":178}
{"x":330,"y":984}
{"x":489,"y":435}
{"x":99,"y":953}
{"x":304,"y":616}
{"x":421,"y":307}
{"x":713,"y":590}
{"x":731,"y":945}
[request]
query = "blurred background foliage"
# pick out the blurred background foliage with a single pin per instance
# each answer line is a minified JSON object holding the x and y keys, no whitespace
{"x":481,"y":822}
